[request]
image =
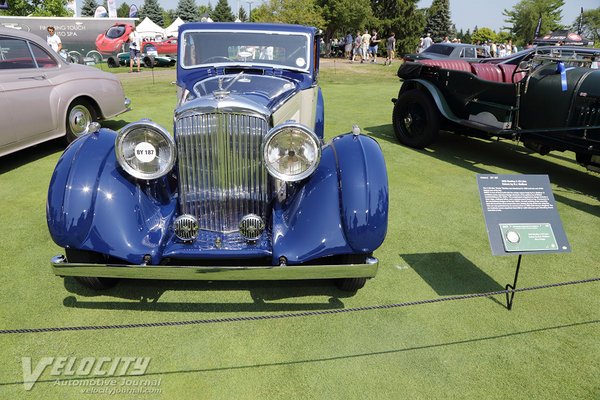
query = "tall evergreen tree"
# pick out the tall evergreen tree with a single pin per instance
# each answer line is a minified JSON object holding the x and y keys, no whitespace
{"x":222,"y":12}
{"x":438,"y":22}
{"x":242,"y":14}
{"x":152,"y":10}
{"x":187,"y":10}
{"x":401,"y":17}
{"x":123,"y":10}
{"x":88,"y":8}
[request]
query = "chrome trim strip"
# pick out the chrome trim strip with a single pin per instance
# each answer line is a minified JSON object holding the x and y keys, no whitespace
{"x":61,"y":267}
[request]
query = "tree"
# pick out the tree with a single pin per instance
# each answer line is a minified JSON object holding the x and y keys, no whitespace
{"x":123,"y":10}
{"x":187,"y":10}
{"x":242,"y":14}
{"x":152,"y":10}
{"x":168,"y":17}
{"x":525,"y":14}
{"x":302,"y":12}
{"x":38,"y":8}
{"x":222,"y":12}
{"x":484,"y":35}
{"x":342,"y":16}
{"x":401,"y":17}
{"x":438,"y":22}
{"x":88,"y":8}
{"x":590,"y":25}
{"x":205,"y":11}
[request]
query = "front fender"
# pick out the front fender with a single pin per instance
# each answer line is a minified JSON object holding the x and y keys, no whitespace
{"x":341,"y":209}
{"x":94,"y":205}
{"x":435,"y":94}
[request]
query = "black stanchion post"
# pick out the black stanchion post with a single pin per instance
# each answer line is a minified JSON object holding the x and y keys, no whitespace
{"x":510,"y":295}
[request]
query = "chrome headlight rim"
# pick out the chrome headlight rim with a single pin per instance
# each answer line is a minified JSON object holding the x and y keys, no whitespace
{"x":279,"y":129}
{"x":153,"y":126}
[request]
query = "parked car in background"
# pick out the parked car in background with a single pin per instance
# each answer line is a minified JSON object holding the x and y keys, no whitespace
{"x":449,"y":51}
{"x":245,"y":189}
{"x":112,"y":41}
{"x":549,"y":102}
{"x":149,"y":60}
{"x":569,"y":54}
{"x":163,"y":47}
{"x":42,"y":97}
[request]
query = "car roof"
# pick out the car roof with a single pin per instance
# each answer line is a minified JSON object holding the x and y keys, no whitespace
{"x":21,"y":34}
{"x":248,"y":26}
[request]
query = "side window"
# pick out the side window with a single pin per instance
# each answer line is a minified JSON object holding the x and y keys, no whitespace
{"x":15,"y":54}
{"x":43,"y":59}
{"x":469,"y":52}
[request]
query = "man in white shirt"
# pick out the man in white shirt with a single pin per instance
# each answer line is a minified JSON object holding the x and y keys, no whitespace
{"x":53,"y":40}
{"x":134,"y":49}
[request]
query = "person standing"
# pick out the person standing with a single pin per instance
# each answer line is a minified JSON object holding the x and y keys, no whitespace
{"x":356,"y":48}
{"x":134,"y":49}
{"x":348,"y":43}
{"x":364,"y":46}
{"x":390,"y":46}
{"x":427,"y":41}
{"x":373,"y":45}
{"x":53,"y":40}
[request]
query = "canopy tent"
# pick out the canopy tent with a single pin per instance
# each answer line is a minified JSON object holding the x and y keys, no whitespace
{"x":562,"y":37}
{"x":173,"y":29}
{"x":148,"y":29}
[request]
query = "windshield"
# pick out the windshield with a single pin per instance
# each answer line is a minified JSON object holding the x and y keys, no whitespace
{"x":208,"y":48}
{"x":439,"y":49}
{"x":115,"y":32}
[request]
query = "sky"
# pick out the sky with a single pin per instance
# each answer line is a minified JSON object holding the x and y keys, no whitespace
{"x":488,"y":13}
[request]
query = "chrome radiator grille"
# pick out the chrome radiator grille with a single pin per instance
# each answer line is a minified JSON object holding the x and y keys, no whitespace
{"x":221,"y":175}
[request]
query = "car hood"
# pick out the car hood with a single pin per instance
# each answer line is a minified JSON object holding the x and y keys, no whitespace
{"x":268,"y":91}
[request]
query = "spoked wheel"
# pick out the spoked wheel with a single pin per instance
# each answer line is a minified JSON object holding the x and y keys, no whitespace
{"x":416,"y":119}
{"x":89,"y":257}
{"x":79,"y":117}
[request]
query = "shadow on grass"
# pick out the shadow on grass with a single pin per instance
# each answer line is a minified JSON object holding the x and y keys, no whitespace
{"x":145,"y":295}
{"x":474,"y":154}
{"x":451,"y":273}
{"x":502,"y":336}
{"x":31,"y":154}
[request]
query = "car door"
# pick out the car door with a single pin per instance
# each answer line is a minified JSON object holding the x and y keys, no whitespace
{"x":26,"y":91}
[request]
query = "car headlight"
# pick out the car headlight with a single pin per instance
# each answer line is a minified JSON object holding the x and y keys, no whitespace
{"x":145,"y":150}
{"x":291,"y":152}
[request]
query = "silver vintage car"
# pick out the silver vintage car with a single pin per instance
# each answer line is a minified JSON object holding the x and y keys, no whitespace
{"x":42,"y":97}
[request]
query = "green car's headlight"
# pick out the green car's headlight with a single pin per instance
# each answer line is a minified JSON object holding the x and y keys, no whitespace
{"x":291,"y":152}
{"x":145,"y":150}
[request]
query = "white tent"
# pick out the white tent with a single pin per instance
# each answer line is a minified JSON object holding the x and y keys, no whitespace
{"x":148,"y":29}
{"x":173,"y":29}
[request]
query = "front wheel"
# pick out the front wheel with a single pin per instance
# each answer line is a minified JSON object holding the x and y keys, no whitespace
{"x":79,"y":117}
{"x":89,"y":257}
{"x":416,"y":119}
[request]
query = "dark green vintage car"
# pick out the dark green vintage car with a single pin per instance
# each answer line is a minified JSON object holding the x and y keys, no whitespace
{"x":149,"y":60}
{"x":547,"y":101}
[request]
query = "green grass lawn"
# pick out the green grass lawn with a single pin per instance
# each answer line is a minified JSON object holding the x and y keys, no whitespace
{"x":547,"y":347}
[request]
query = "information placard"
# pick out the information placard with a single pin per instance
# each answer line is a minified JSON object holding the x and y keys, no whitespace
{"x":520,"y":214}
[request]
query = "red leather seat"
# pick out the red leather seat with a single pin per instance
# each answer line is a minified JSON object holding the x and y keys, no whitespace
{"x":458,"y":65}
{"x":489,"y":72}
{"x":507,"y":70}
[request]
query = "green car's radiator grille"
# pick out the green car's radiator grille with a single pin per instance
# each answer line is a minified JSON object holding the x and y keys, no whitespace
{"x":221,"y":173}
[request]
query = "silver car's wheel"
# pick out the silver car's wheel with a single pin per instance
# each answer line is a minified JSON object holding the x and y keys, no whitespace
{"x":79,"y":118}
{"x":96,"y":56}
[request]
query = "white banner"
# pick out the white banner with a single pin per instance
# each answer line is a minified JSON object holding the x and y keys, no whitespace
{"x":112,"y":8}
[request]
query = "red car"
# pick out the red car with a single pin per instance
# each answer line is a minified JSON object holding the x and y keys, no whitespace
{"x":111,"y":42}
{"x":167,"y":46}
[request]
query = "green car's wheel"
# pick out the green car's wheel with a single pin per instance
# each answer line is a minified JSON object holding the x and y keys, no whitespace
{"x":112,"y":63}
{"x":416,"y":119}
{"x":88,"y":257}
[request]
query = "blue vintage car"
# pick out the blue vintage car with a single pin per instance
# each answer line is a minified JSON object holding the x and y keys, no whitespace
{"x":245,"y":189}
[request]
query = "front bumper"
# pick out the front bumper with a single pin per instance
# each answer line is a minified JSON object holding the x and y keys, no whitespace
{"x":61,"y":267}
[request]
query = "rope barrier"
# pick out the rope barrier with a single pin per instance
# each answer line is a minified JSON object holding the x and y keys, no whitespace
{"x":291,"y":315}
